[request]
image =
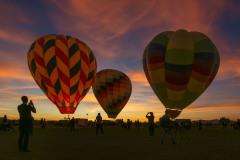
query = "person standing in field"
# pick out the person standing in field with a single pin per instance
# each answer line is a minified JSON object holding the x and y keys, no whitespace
{"x":99,"y":123}
{"x":150,"y":123}
{"x":4,"y":122}
{"x":72,"y":124}
{"x":129,"y":124}
{"x":200,"y":124}
{"x":43,"y":123}
{"x":165,"y":123}
{"x":25,"y":123}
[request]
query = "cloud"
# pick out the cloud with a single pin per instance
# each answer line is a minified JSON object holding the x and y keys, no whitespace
{"x":106,"y":19}
{"x":8,"y":12}
{"x":109,"y":27}
{"x":212,"y":112}
{"x":15,"y":77}
{"x":229,"y":68}
{"x":138,"y":77}
{"x":12,"y":27}
{"x":90,"y":98}
{"x":192,"y":15}
{"x":100,"y":23}
{"x":14,"y":72}
{"x":5,"y":109}
{"x":17,"y":36}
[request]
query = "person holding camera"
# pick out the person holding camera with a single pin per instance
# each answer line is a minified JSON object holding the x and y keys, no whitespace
{"x":25,"y":123}
{"x":99,"y":123}
{"x":150,"y":123}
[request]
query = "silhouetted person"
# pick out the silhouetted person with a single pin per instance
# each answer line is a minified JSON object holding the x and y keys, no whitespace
{"x":99,"y":123}
{"x":123,"y":124}
{"x":43,"y":123}
{"x":200,"y":124}
{"x":72,"y":124}
{"x":129,"y":124}
{"x":137,"y":124}
{"x":150,"y":123}
{"x":165,"y":122}
{"x":25,"y":123}
{"x":4,"y":122}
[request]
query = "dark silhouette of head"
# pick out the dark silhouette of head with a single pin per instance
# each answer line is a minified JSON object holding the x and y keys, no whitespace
{"x":99,"y":114}
{"x":166,"y":112}
{"x":24,"y":99}
{"x":151,"y":113}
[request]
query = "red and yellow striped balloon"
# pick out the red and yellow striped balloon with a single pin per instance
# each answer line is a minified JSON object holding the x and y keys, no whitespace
{"x":179,"y":67}
{"x":64,"y":68}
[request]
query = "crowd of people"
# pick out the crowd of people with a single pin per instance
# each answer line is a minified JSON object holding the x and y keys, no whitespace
{"x":26,"y":122}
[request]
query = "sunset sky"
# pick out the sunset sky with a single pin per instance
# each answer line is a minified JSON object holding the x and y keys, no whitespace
{"x":117,"y":32}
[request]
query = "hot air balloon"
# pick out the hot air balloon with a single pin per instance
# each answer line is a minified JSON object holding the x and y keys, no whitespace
{"x":112,"y":89}
{"x":179,"y":67}
{"x":64,"y":68}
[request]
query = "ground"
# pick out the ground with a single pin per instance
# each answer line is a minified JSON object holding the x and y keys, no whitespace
{"x":62,"y":144}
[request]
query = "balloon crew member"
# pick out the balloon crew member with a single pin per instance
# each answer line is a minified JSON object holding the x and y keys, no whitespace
{"x":99,"y":123}
{"x":165,"y":123}
{"x":25,"y":123}
{"x":150,"y":123}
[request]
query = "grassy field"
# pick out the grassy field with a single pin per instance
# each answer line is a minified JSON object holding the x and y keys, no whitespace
{"x":117,"y":143}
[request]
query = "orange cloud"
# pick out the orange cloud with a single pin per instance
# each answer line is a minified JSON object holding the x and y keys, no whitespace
{"x":138,"y":77}
{"x":17,"y":36}
{"x":212,"y":112}
{"x":14,"y":72}
{"x":229,"y":67}
{"x":5,"y":109}
{"x":90,"y":97}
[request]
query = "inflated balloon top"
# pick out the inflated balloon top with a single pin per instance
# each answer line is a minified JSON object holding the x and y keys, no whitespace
{"x":112,"y":89}
{"x":179,"y":67}
{"x":64,"y":68}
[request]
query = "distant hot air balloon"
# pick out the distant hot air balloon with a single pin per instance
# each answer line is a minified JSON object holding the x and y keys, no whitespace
{"x":112,"y":89}
{"x":179,"y":67}
{"x":64,"y":68}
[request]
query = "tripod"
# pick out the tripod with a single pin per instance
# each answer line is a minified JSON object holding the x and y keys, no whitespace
{"x":180,"y":131}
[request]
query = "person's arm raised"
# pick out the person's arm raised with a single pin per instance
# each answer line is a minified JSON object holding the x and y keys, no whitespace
{"x":33,"y":109}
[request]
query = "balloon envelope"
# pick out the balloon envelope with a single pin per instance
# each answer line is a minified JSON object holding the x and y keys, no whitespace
{"x":112,"y":89}
{"x":64,"y":68}
{"x":179,"y":67}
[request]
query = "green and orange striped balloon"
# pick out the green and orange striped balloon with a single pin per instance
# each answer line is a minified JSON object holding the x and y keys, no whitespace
{"x":64,"y":68}
{"x":179,"y":67}
{"x":112,"y":89}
